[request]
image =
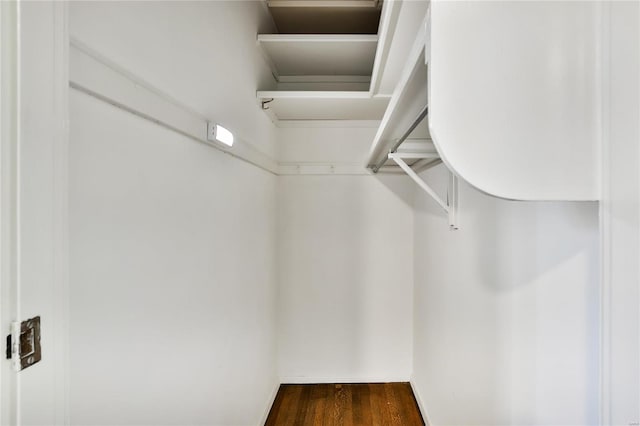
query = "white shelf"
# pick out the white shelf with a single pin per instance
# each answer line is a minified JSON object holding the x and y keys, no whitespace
{"x":304,"y":94}
{"x":408,"y":100}
{"x":511,"y":124}
{"x":319,"y":54}
{"x":322,"y":105}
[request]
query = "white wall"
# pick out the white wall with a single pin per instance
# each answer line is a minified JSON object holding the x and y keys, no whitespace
{"x":173,"y":284}
{"x":345,"y":271}
{"x":174,"y":243}
{"x":326,"y":144}
{"x":621,"y":217}
{"x":172,"y":276}
{"x":203,"y":54}
{"x":33,"y":197}
{"x":506,"y":311}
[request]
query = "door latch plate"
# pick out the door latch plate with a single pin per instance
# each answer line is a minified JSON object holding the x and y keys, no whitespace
{"x":23,"y":344}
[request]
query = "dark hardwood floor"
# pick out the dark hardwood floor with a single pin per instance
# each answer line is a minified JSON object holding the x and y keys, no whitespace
{"x":384,"y":404}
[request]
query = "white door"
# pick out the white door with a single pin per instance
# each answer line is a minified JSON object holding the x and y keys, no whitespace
{"x":34,"y":86}
{"x":8,"y":156}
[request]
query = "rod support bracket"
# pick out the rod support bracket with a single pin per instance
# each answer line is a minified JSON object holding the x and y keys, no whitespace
{"x":452,"y":201}
{"x":450,"y":206}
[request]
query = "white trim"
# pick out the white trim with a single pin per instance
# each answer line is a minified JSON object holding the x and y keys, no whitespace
{"x":605,"y":218}
{"x":317,"y":38}
{"x":16,"y":362}
{"x":421,"y":405}
{"x":61,"y":215}
{"x":333,"y":124}
{"x":315,"y":94}
{"x":323,"y":3}
{"x":324,"y":79}
{"x":94,"y":75}
{"x":427,"y":37}
{"x":9,"y":122}
{"x":300,"y":380}
{"x":321,"y":168}
{"x":388,"y":21}
{"x":376,"y":152}
{"x":272,"y":399}
{"x":638,"y":122}
{"x":18,"y":201}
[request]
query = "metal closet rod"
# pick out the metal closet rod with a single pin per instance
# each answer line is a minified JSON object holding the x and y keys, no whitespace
{"x":423,"y":113}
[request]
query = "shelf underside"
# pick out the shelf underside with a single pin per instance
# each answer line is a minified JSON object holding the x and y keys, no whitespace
{"x":323,"y":105}
{"x":319,"y":55}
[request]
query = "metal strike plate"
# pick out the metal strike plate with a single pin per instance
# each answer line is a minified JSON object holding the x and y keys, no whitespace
{"x":23,"y":345}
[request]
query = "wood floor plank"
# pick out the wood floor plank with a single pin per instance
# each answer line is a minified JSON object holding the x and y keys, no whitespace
{"x":378,"y":406}
{"x":275,"y":408}
{"x":338,"y":406}
{"x":362,"y":404}
{"x":409,"y":399}
{"x":395,"y":415}
{"x":329,"y":419}
{"x":314,"y":414}
{"x":347,"y":418}
{"x":303,"y":405}
{"x":319,"y":396}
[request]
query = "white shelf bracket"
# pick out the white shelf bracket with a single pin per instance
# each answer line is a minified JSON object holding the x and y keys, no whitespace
{"x":452,"y":201}
{"x":450,"y":206}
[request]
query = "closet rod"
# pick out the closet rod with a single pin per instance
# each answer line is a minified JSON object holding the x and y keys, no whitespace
{"x":423,"y":113}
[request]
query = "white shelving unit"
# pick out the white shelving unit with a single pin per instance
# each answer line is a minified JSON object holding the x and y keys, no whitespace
{"x":327,"y":77}
{"x":322,"y":105}
{"x":406,"y":116}
{"x":318,"y":56}
{"x":321,"y":77}
{"x":402,"y":141}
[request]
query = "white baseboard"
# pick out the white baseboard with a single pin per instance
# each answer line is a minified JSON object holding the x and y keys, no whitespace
{"x":270,"y":404}
{"x":319,"y":379}
{"x":421,"y":405}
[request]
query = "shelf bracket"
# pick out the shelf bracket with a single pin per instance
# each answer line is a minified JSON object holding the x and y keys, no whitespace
{"x":450,"y":206}
{"x":452,"y":201}
{"x":265,"y":103}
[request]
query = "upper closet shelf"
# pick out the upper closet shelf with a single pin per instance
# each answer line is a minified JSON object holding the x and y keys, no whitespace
{"x":406,"y":116}
{"x":515,"y":104}
{"x":403,"y":141}
{"x":320,"y":105}
{"x":318,"y":55}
